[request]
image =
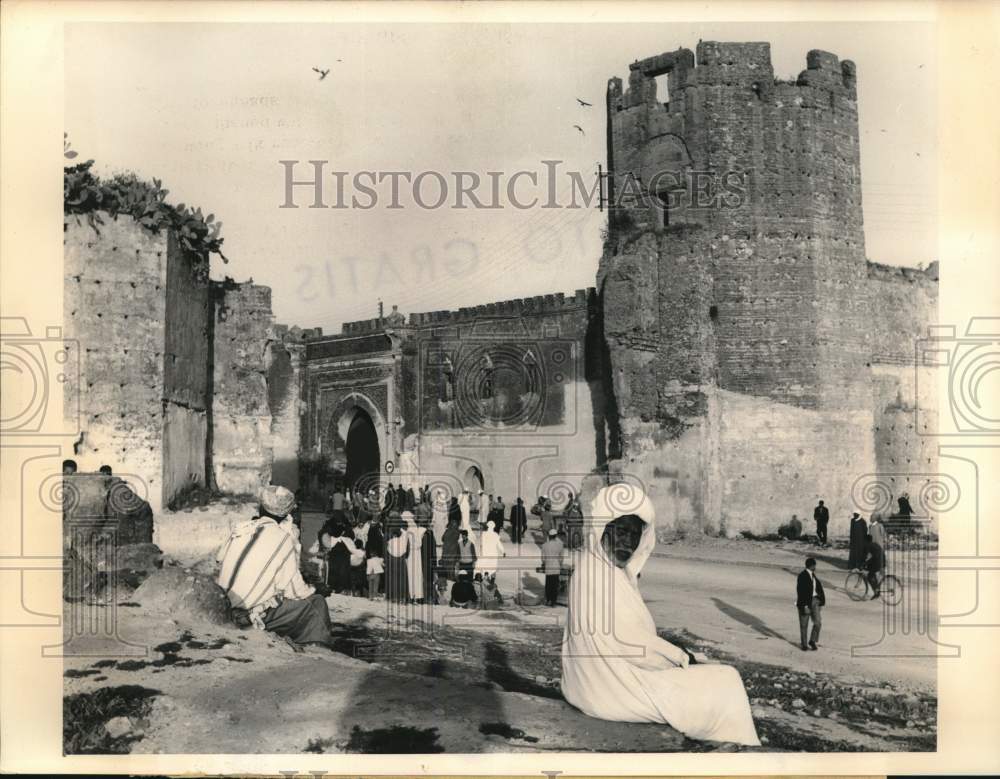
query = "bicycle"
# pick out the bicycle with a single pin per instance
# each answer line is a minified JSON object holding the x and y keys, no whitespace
{"x":858,"y":589}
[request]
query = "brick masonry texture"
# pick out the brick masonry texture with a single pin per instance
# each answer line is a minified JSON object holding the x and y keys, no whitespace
{"x":241,"y":414}
{"x":751,"y":340}
{"x":115,"y":307}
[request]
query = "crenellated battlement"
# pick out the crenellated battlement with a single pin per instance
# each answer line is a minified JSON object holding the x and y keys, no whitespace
{"x":539,"y":304}
{"x":792,"y":220}
{"x":244,"y":294}
{"x":294,"y":333}
{"x":717,"y":63}
{"x":363,"y":326}
{"x":731,"y":146}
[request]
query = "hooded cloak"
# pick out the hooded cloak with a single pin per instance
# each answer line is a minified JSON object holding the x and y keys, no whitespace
{"x":439,"y":515}
{"x":415,"y":564}
{"x":463,"y":506}
{"x":615,"y":666}
{"x":490,"y":550}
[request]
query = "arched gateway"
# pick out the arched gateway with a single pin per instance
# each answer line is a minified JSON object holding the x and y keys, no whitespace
{"x":356,"y":441}
{"x":361,"y":448}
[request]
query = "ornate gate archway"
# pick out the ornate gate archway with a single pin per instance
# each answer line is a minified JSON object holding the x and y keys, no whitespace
{"x":356,"y":440}
{"x":362,"y":453}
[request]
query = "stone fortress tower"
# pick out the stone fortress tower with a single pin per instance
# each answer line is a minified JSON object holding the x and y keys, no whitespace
{"x":741,"y":314}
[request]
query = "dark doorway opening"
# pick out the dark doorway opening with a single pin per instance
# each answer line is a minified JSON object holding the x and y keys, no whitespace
{"x":363,"y":457}
{"x":473,"y":480}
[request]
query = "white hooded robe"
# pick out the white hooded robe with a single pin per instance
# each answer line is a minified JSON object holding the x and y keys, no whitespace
{"x":415,"y":562}
{"x":463,"y":506}
{"x":439,"y":515}
{"x":489,"y":550}
{"x":615,"y":666}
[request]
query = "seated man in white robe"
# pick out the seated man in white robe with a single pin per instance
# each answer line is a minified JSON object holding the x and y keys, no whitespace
{"x":614,"y":665}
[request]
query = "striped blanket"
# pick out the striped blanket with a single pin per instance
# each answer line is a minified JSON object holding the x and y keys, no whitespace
{"x":260,"y":565}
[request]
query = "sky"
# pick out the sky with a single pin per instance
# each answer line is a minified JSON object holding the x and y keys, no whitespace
{"x":212,"y":109}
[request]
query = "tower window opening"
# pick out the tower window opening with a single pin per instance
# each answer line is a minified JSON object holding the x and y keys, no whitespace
{"x":663,"y":89}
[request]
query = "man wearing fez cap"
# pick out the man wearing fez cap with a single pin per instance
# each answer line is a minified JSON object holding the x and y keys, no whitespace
{"x":260,"y":574}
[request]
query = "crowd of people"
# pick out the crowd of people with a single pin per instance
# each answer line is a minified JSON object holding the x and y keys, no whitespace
{"x":867,"y":539}
{"x":392,"y":549}
{"x":410,"y":547}
{"x":603,"y":674}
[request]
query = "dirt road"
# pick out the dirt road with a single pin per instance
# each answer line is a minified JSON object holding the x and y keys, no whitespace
{"x":750,"y":611}
{"x":747,"y":608}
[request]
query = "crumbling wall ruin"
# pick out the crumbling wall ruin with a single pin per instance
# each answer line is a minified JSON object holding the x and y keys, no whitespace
{"x":115,"y":307}
{"x":241,"y":416}
{"x":157,"y":340}
{"x":903,"y":305}
{"x":186,"y":353}
{"x":284,"y":364}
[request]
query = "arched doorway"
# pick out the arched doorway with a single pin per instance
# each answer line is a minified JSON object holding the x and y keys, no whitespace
{"x":361,"y":449}
{"x":473,"y":480}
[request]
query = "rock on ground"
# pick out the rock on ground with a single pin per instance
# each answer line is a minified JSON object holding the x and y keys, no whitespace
{"x":184,"y":595}
{"x":139,"y":557}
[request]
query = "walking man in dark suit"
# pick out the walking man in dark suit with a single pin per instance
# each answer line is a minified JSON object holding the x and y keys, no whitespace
{"x":810,"y":600}
{"x":822,"y":516}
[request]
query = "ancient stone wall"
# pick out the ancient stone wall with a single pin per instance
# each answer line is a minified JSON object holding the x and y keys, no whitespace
{"x":139,"y":309}
{"x":766,"y":182}
{"x":151,"y":336}
{"x":186,"y":355}
{"x":241,"y":416}
{"x":514,"y":389}
{"x":284,"y":361}
{"x":777,"y":459}
{"x":902,"y":306}
{"x":737,"y":298}
{"x":114,"y":307}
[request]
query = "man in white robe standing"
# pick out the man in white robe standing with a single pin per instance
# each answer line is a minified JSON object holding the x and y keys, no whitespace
{"x":464,"y":507}
{"x":490,"y":551}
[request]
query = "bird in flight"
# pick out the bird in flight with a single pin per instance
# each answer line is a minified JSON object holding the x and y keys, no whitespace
{"x":584,"y":103}
{"x":322,"y":73}
{"x":579,"y":128}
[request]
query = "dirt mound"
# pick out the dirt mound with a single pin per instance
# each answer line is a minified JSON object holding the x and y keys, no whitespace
{"x":185,"y":595}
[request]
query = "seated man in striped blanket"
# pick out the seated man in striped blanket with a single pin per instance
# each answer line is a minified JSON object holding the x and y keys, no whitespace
{"x":260,"y":574}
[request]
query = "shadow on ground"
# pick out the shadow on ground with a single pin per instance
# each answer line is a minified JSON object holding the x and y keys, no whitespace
{"x":750,"y":620}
